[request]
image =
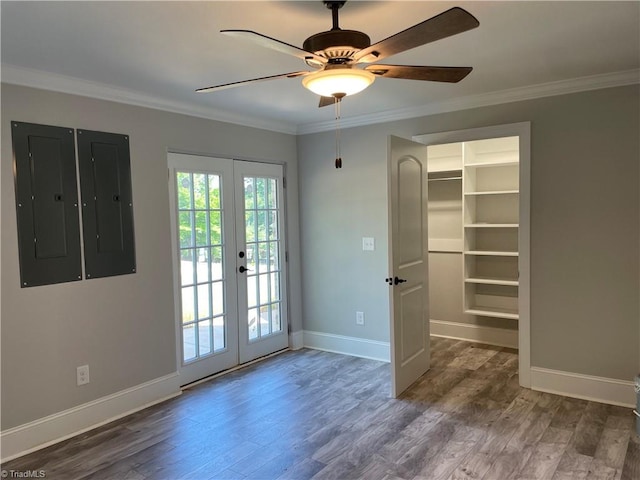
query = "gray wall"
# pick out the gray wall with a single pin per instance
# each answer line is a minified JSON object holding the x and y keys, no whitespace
{"x":585,"y":179}
{"x":123,"y":327}
{"x":585,"y":235}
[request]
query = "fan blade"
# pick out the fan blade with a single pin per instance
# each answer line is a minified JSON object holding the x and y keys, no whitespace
{"x":243,"y":82}
{"x":326,"y":101}
{"x":275,"y":44}
{"x":451,"y":22}
{"x":432,"y":74}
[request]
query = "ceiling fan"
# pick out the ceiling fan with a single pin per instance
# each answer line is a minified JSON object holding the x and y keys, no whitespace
{"x":336,"y":55}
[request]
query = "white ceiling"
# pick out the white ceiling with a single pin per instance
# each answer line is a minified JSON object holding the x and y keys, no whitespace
{"x":157,"y":53}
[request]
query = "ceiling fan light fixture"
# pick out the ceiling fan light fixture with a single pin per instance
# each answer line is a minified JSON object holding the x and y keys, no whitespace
{"x":336,"y":81}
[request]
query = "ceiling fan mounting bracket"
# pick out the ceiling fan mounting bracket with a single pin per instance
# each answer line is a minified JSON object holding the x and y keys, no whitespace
{"x":337,"y":43}
{"x":331,"y":4}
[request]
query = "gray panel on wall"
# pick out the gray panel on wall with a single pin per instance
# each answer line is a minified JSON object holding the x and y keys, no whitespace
{"x":46,"y":204}
{"x":107,"y":204}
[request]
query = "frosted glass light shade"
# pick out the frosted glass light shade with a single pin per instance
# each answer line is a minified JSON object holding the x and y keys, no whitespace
{"x":347,"y":81}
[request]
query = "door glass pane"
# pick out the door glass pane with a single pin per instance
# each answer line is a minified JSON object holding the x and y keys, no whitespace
{"x":186,"y":266}
{"x":252,"y":291}
{"x":275,"y":317}
{"x":273,"y":256}
{"x":188,"y":304}
{"x":252,"y":256}
{"x":272,"y":194}
{"x":219,"y":338}
{"x":261,"y":192}
{"x":188,"y":342}
{"x":273,"y":225}
{"x":253,"y":323}
{"x":204,"y":307}
{"x":202,"y":265}
{"x":186,"y":239}
{"x":264,"y":289}
{"x":262,"y":234}
{"x":214,"y":192}
{"x":183,"y":181}
{"x":215,"y":228}
{"x":262,"y":225}
{"x":264,"y":321}
{"x":201,"y":274}
{"x":250,"y":219}
{"x":200,"y":190}
{"x":263,"y":257}
{"x":249,"y":192}
{"x":201,"y":228}
{"x":217,"y":292}
{"x":275,"y":287}
{"x":216,"y":263}
{"x":204,"y":337}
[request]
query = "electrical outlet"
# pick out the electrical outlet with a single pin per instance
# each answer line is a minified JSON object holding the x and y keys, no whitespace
{"x":82,"y":375}
{"x":359,"y":318}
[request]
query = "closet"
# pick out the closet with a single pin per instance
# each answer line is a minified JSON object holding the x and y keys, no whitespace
{"x":474,"y":203}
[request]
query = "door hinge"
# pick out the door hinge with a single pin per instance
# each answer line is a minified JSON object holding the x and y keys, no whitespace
{"x":284,"y":182}
{"x":286,"y":256}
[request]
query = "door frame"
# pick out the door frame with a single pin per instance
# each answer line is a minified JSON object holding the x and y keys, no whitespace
{"x":175,"y":242}
{"x":522,"y":130}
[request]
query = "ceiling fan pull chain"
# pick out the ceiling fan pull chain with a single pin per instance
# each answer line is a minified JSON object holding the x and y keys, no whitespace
{"x":338,"y":157}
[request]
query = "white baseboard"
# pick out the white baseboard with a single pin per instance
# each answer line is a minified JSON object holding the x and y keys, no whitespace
{"x":41,"y":433}
{"x":356,"y":347}
{"x":500,"y":337}
{"x":296,"y":340}
{"x":586,"y":387}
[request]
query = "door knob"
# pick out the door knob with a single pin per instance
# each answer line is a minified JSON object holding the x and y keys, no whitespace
{"x":397,"y":280}
{"x":243,"y":269}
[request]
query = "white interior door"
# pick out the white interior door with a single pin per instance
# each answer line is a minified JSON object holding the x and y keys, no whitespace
{"x":408,"y":261}
{"x":227,"y":217}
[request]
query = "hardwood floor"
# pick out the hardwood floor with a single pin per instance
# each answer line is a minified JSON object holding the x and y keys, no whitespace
{"x":311,"y":414}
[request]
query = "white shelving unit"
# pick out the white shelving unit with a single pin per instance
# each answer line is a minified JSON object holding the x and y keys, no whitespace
{"x":490,"y":200}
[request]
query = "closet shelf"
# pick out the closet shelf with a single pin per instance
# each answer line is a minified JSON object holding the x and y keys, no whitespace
{"x":493,"y":312}
{"x":494,"y":192}
{"x":491,"y":225}
{"x":492,"y":281}
{"x":491,"y":253}
{"x":492,"y":164}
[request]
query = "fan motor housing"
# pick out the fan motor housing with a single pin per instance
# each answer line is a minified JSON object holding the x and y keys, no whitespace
{"x":337,"y":45}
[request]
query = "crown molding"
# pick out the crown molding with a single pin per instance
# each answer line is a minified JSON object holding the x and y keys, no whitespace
{"x":28,"y":77}
{"x":12,"y":74}
{"x":561,"y":87}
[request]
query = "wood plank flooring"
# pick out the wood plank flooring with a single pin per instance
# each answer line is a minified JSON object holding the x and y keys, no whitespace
{"x":311,"y":414}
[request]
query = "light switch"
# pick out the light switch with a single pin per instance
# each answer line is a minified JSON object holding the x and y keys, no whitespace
{"x":368,"y":244}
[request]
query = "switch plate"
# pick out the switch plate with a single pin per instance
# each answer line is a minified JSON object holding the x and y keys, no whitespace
{"x":359,"y":318}
{"x":82,"y":375}
{"x":368,"y":244}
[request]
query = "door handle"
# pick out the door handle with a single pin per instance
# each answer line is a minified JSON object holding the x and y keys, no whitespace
{"x":243,"y":269}
{"x":397,"y":280}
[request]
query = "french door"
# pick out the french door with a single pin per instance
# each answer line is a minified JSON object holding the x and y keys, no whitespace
{"x":229,"y":262}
